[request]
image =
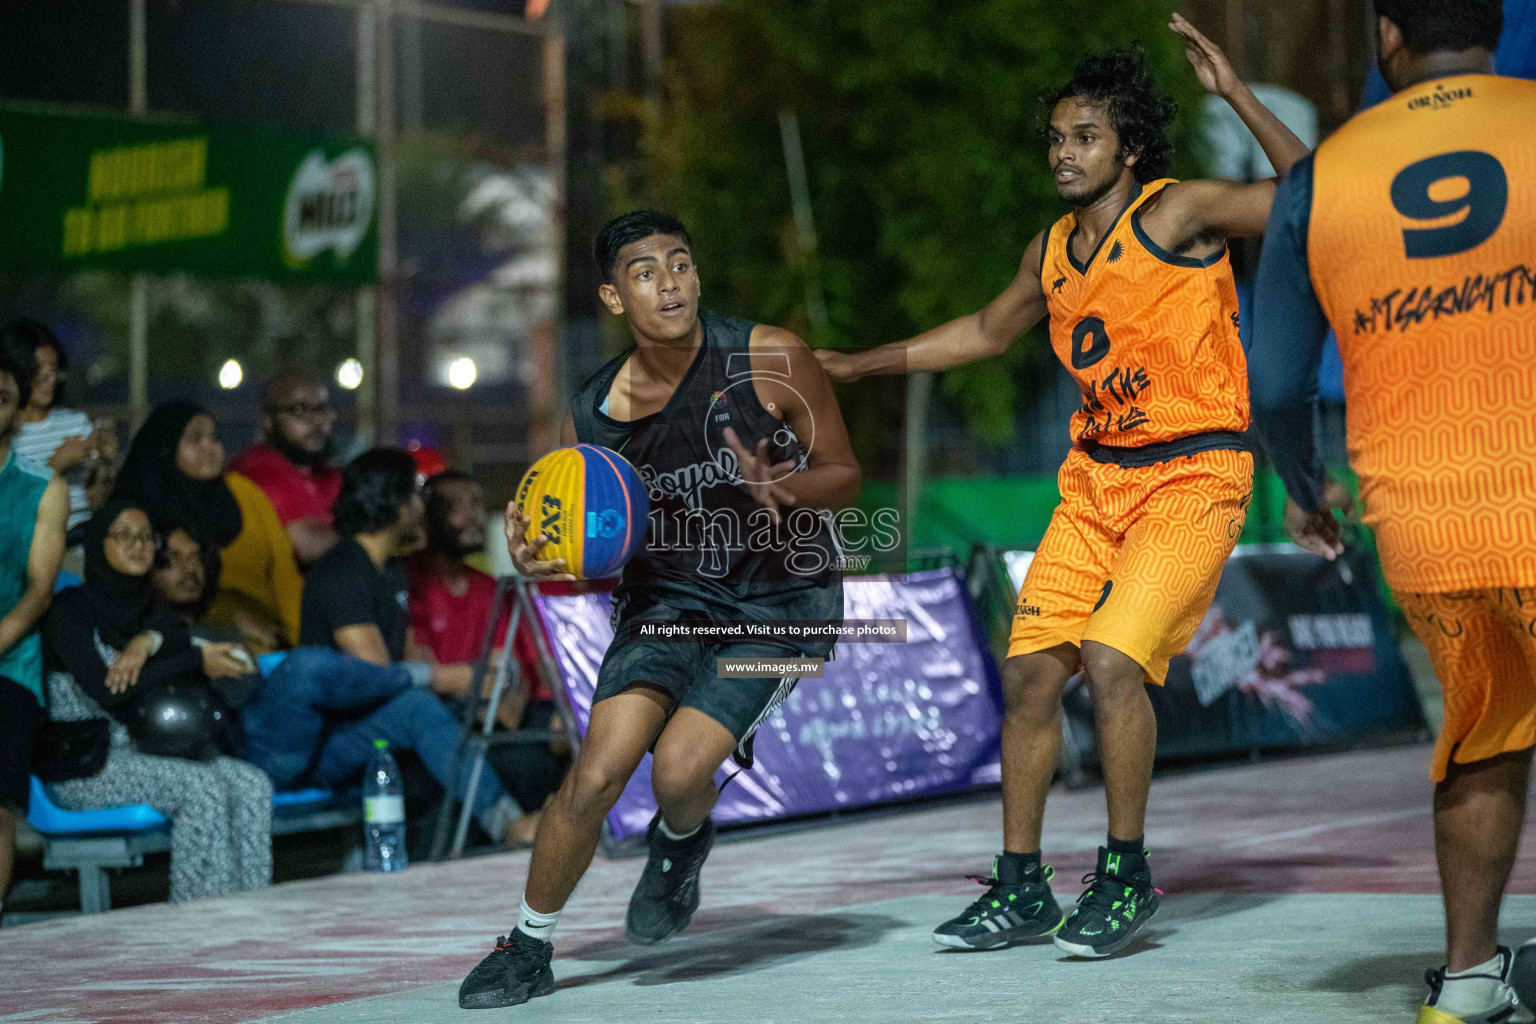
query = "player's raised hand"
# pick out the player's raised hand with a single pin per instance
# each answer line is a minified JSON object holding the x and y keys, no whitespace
{"x":760,"y":476}
{"x":1210,"y":63}
{"x":840,"y":366}
{"x":525,"y":552}
{"x":1319,"y":530}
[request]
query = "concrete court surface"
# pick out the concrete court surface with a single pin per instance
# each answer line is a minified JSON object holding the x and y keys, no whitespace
{"x":1298,"y":890}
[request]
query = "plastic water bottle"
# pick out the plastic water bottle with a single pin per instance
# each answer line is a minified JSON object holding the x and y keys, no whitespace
{"x":383,"y":812}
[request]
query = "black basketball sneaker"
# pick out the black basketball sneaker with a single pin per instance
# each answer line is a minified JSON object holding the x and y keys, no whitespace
{"x":668,"y":891}
{"x":515,"y":971}
{"x":1119,"y":900}
{"x":1014,"y":907}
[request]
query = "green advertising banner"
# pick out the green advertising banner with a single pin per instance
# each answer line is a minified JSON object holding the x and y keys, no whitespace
{"x":115,"y":193}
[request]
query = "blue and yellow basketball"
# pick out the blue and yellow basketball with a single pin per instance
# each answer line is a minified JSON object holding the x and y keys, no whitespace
{"x":592,"y":505}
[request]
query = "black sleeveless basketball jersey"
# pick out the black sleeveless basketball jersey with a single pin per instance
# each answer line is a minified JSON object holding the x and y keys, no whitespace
{"x":711,"y":549}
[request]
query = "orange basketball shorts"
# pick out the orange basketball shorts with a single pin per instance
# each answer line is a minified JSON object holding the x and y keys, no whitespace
{"x":1133,"y":555}
{"x":1483,"y":649}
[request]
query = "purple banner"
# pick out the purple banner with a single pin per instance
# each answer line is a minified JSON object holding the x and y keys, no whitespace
{"x":889,"y":721}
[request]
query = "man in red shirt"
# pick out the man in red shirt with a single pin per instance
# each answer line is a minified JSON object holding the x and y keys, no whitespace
{"x":291,"y":462}
{"x":450,"y":604}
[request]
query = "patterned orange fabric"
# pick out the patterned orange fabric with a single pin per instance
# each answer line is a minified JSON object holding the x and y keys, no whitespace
{"x":1482,"y":644}
{"x":1132,"y":556}
{"x":1422,"y":246}
{"x":1149,"y":336}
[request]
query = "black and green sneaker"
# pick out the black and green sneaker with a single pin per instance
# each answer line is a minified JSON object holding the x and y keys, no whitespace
{"x":1014,"y":907}
{"x":1120,"y":898}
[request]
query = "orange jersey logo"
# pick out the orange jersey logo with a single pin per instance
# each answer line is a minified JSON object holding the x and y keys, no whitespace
{"x":1149,"y":336}
{"x":1422,"y":247}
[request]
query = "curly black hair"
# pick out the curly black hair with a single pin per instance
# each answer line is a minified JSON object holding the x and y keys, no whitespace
{"x":1138,"y":113}
{"x":375,"y":486}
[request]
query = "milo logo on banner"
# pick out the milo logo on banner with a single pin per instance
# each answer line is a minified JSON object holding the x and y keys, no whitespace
{"x":329,"y":206}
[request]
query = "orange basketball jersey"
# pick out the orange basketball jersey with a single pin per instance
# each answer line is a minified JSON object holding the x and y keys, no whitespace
{"x":1422,"y":248}
{"x":1150,"y":336}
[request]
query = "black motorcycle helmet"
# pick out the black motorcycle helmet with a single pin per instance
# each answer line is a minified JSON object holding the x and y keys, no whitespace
{"x":176,"y":720}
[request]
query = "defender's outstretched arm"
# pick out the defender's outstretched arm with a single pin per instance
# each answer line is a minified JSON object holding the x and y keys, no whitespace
{"x":1224,"y":208}
{"x":965,"y":340}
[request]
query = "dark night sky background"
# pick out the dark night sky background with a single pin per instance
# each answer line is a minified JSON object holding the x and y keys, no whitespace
{"x":280,"y":64}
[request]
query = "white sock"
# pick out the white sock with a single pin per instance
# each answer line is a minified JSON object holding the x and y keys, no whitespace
{"x":534,"y":924}
{"x":1464,"y":994}
{"x":666,"y":830}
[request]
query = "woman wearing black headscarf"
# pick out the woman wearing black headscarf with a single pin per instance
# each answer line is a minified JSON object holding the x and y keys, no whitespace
{"x":112,"y":654}
{"x":175,"y":468}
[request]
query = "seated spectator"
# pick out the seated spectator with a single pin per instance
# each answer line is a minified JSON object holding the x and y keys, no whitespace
{"x":36,"y":504}
{"x":65,"y":440}
{"x":355,"y":602}
{"x":292,"y":461}
{"x":108,"y":648}
{"x":175,"y":467}
{"x":183,"y":567}
{"x":280,"y":717}
{"x":451,"y":604}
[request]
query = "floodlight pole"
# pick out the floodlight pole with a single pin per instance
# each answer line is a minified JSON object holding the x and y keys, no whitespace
{"x":651,"y":47}
{"x":365,"y":331}
{"x":138,"y":305}
{"x":387,"y":373}
{"x":553,"y":89}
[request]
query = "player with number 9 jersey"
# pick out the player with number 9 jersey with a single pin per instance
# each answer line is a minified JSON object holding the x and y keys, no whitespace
{"x":1412,"y":232}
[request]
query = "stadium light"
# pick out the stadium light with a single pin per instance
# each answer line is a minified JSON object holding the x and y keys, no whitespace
{"x":349,"y":374}
{"x":230,"y":375}
{"x":462,"y":372}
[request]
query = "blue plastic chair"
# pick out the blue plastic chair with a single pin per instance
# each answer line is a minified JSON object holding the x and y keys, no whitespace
{"x":52,"y":820}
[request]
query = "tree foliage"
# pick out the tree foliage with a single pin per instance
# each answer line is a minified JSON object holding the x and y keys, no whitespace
{"x":921,"y":122}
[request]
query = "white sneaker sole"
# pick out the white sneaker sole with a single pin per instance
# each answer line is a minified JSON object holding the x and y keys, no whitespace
{"x":1083,"y":951}
{"x":1089,"y":953}
{"x":956,"y":942}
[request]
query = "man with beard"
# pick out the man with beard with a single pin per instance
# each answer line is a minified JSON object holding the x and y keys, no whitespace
{"x":1143,"y":313}
{"x":292,"y":462}
{"x":451,"y":603}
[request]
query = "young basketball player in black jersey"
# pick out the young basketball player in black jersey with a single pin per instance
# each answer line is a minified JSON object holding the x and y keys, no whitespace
{"x":737,"y":434}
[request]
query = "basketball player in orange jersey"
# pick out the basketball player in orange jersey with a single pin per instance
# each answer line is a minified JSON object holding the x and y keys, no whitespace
{"x":1412,"y":231}
{"x":1143,"y":312}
